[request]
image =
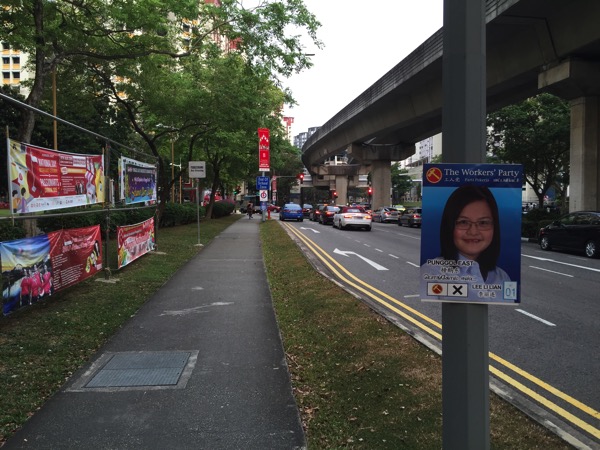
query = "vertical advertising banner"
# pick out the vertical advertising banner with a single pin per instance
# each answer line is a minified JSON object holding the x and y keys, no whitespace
{"x":264,"y":152}
{"x":36,"y":267}
{"x":42,"y":179}
{"x":471,"y":233}
{"x":137,"y":180}
{"x":134,"y":241}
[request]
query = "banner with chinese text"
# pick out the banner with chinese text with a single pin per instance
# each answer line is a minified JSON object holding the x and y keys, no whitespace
{"x":36,"y":267}
{"x":43,"y":179}
{"x":134,"y":241}
{"x":137,"y":181}
{"x":264,"y":152}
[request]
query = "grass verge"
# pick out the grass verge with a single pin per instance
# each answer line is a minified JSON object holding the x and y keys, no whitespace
{"x":359,"y":381}
{"x":41,"y":346}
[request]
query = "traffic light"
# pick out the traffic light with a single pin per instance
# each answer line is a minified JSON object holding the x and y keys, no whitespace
{"x":370,"y":191}
{"x":335,"y":194}
{"x":301,"y":178}
{"x":237,"y":190}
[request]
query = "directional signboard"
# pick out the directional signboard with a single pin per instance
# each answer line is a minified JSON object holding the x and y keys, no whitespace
{"x":262,"y":183}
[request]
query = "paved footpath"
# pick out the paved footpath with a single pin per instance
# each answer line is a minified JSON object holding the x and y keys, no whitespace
{"x":200,"y":366}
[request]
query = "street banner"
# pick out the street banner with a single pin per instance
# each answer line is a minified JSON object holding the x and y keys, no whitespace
{"x":264,"y":155}
{"x":134,"y":241}
{"x":36,"y":267}
{"x":137,"y":181}
{"x":471,"y":233}
{"x":41,"y":179}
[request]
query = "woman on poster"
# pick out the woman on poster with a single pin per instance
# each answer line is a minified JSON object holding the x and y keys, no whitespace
{"x":469,"y":244}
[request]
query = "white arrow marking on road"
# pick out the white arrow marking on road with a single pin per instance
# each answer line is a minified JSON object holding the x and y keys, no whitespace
{"x":368,"y":261}
{"x":311,"y":229}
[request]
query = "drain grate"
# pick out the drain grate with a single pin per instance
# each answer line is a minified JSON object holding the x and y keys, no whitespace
{"x":131,"y":370}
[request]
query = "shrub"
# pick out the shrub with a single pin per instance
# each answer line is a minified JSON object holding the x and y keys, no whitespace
{"x":222,"y":208}
{"x":9,"y":232}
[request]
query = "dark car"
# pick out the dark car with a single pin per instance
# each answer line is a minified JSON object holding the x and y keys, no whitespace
{"x":316,"y":212}
{"x":579,"y":231}
{"x":411,"y":217}
{"x":327,"y":214}
{"x":306,"y":210}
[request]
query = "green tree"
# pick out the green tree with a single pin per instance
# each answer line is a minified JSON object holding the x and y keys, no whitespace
{"x":102,"y":34}
{"x":536,"y":134}
{"x":401,"y":182}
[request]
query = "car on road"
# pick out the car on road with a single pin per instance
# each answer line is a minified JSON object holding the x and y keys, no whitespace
{"x":352,"y":217}
{"x":327,"y":213}
{"x":306,"y":210}
{"x":579,"y":231}
{"x":316,"y":211}
{"x":291,"y":211}
{"x":411,"y":217}
{"x":385,"y":214}
{"x":271,"y":207}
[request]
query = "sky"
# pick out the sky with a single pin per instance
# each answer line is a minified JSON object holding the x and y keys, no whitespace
{"x":363,"y":40}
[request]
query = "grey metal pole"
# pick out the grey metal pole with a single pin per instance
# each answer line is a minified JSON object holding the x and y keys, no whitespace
{"x":465,"y":361}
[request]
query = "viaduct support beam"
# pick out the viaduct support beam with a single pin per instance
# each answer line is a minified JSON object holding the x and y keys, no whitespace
{"x":381,"y":178}
{"x":585,"y":154}
{"x":579,"y":81}
{"x":341,"y":187}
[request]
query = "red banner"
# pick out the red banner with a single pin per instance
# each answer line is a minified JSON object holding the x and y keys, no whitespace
{"x":43,"y":179}
{"x":264,"y":152}
{"x":134,"y":241}
{"x":76,"y":254}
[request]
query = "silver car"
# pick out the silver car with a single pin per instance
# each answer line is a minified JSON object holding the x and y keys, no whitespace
{"x":385,"y":214}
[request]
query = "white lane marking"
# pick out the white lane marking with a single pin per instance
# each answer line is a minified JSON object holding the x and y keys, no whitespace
{"x":412,"y":264}
{"x":560,"y":262}
{"x":535,"y":317}
{"x":368,"y":261}
{"x":367,"y":245}
{"x":552,"y":271}
{"x":393,"y":256}
{"x":412,"y":296}
{"x":377,"y":250}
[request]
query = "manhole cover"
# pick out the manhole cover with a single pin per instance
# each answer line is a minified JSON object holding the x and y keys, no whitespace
{"x":158,"y":370}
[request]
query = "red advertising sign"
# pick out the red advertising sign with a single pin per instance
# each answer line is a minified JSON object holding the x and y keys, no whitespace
{"x":76,"y":254}
{"x":43,"y":179}
{"x":134,"y":241}
{"x":264,"y":149}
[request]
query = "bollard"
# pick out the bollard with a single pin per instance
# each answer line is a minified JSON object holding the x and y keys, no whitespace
{"x":268,"y":214}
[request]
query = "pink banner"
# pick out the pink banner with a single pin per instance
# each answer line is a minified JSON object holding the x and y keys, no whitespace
{"x":134,"y":241}
{"x":76,"y":254}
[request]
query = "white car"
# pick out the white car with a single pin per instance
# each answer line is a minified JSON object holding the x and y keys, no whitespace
{"x":352,"y":217}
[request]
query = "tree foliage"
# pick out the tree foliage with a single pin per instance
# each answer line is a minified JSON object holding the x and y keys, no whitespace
{"x":188,"y":76}
{"x":536,"y":134}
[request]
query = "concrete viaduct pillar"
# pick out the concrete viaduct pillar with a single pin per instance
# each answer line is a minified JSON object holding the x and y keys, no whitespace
{"x":579,"y":82}
{"x":380,"y":158}
{"x":341,"y":187}
{"x":585,"y":154}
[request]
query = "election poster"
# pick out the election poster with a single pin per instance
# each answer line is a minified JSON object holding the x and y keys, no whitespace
{"x":41,"y":179}
{"x":134,"y":241}
{"x":471,"y":233}
{"x":137,"y":181}
{"x":34,"y":268}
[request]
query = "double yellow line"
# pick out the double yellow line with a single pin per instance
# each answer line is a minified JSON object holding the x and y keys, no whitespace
{"x":429,"y":326}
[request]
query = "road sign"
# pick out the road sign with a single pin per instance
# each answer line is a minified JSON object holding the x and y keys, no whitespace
{"x":262,"y":183}
{"x":197,"y":169}
{"x":263,"y":195}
